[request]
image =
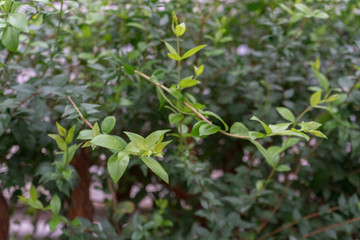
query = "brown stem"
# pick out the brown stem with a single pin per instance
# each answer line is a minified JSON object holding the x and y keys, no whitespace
{"x":82,"y":116}
{"x":295,"y":222}
{"x":331,"y":227}
{"x":4,"y":218}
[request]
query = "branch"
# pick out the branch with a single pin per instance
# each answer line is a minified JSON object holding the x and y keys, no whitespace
{"x":331,"y":227}
{"x":82,"y":116}
{"x":25,"y":100}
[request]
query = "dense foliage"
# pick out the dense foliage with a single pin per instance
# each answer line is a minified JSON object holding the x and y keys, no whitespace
{"x":231,"y":119}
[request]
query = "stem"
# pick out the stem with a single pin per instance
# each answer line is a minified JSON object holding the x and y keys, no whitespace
{"x":57,"y":31}
{"x":266,"y":182}
{"x":82,"y":116}
{"x":301,"y":115}
{"x":179,"y":62}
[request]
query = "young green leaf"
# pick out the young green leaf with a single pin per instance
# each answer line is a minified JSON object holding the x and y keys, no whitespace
{"x":10,"y":38}
{"x":176,"y":57}
{"x":307,"y":126}
{"x":108,"y":124}
{"x":175,"y":117}
{"x":315,"y":98}
{"x":107,"y":141}
{"x":180,"y":29}
{"x":117,"y":165}
{"x":302,"y":7}
{"x":299,"y":134}
{"x":199,"y":70}
{"x":192,"y":51}
{"x":323,"y":81}
{"x":188,"y":82}
{"x":95,"y":130}
{"x":286,"y":114}
{"x":19,"y":21}
{"x":170,"y":48}
{"x":33,"y":195}
{"x":70,"y":135}
{"x":61,"y":130}
{"x":266,"y":127}
{"x":239,"y":129}
{"x":318,"y":133}
{"x":156,"y":168}
{"x":138,"y":141}
{"x":59,"y":141}
{"x":55,"y":204}
{"x":155,"y":137}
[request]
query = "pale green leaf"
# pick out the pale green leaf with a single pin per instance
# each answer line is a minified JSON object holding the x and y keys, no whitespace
{"x":55,"y":204}
{"x":186,"y":83}
{"x":117,"y":165}
{"x":269,"y":159}
{"x":192,"y":51}
{"x":155,"y":137}
{"x":138,"y":141}
{"x":275,"y":128}
{"x":108,"y":124}
{"x":53,"y":223}
{"x":266,"y":127}
{"x":315,"y":98}
{"x":239,"y":129}
{"x":176,"y":57}
{"x":283,"y":168}
{"x":180,"y":29}
{"x":307,"y":126}
{"x":19,"y":21}
{"x":170,"y":48}
{"x":318,"y":133}
{"x":61,"y":130}
{"x":199,"y":70}
{"x":33,"y":195}
{"x":107,"y":141}
{"x":85,"y":134}
{"x":70,"y":135}
{"x":286,"y":114}
{"x":156,"y":168}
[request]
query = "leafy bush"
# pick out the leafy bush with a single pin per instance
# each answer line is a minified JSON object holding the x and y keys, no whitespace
{"x":186,"y":97}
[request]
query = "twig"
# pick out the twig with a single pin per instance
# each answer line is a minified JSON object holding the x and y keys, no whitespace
{"x":331,"y":227}
{"x":25,"y":100}
{"x":82,"y":116}
{"x":295,"y":222}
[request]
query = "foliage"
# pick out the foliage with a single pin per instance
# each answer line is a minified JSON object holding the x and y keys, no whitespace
{"x":202,"y":85}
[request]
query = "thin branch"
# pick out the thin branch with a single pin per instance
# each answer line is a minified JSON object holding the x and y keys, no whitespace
{"x":82,"y":116}
{"x":331,"y":227}
{"x":286,"y":226}
{"x":25,"y":100}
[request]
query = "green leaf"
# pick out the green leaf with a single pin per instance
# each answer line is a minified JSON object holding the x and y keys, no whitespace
{"x":192,"y":51}
{"x":160,"y":97}
{"x":180,"y":29}
{"x":61,"y":130}
{"x":59,"y":141}
{"x":75,"y":222}
{"x":117,"y":165}
{"x":323,"y":81}
{"x":199,"y":71}
{"x":156,"y":168}
{"x":301,"y":7}
{"x":107,"y":141}
{"x":55,"y":204}
{"x":70,"y":135}
{"x":290,"y":142}
{"x":300,"y":134}
{"x":95,"y":130}
{"x":160,"y":146}
{"x":108,"y":124}
{"x":283,"y":168}
{"x":275,"y":128}
{"x":332,"y":98}
{"x":318,"y":133}
{"x":254,"y":135}
{"x":85,"y":135}
{"x":155,"y":137}
{"x":266,"y":127}
{"x":19,"y":21}
{"x":265,"y":153}
{"x":176,"y":57}
{"x":175,"y":117}
{"x":170,"y":48}
{"x":307,"y":126}
{"x":239,"y":129}
{"x":195,"y":130}
{"x":315,"y":98}
{"x":188,"y":82}
{"x":259,"y":185}
{"x":138,"y":141}
{"x":286,"y":114}
{"x":129,"y":69}
{"x":207,"y":129}
{"x":209,"y":113}
{"x":53,"y":223}
{"x":320,"y":14}
{"x":33,"y":195}
{"x":135,"y":25}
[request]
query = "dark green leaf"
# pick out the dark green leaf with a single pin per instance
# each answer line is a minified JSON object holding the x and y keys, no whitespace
{"x":175,"y":117}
